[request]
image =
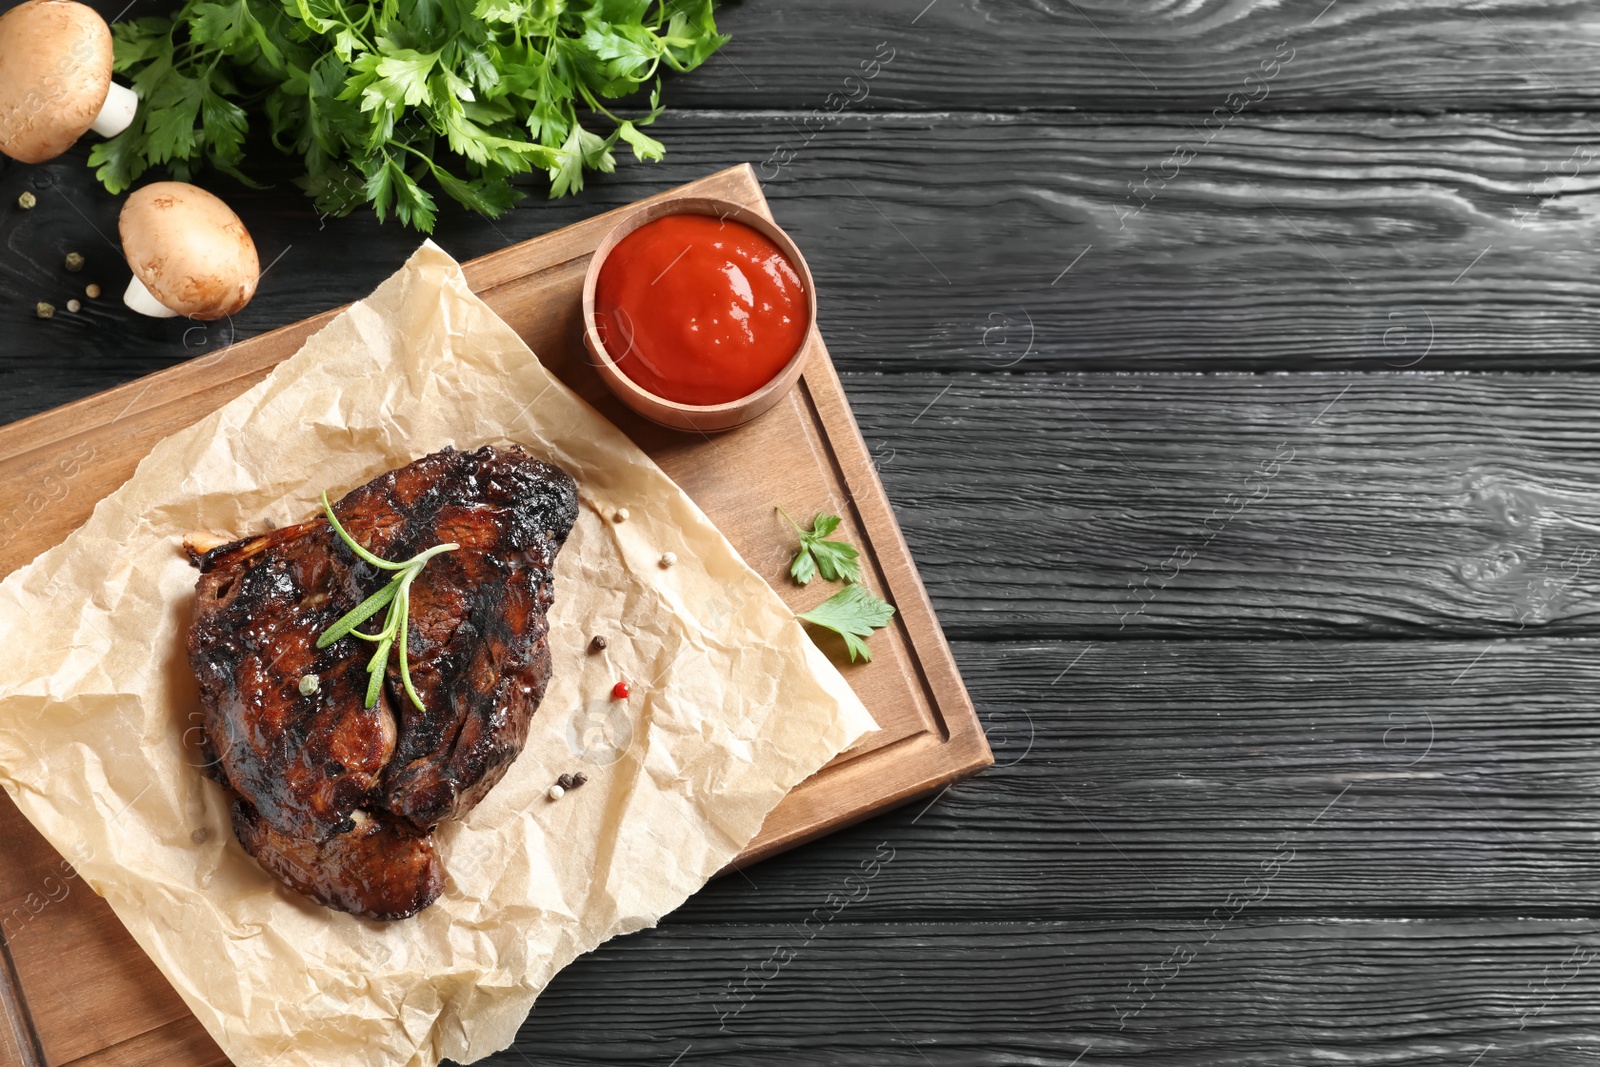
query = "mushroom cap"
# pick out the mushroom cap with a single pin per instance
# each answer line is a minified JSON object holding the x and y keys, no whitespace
{"x":55,"y":71}
{"x":189,"y":249}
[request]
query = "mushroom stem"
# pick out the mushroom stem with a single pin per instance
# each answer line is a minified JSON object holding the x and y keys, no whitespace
{"x":144,"y":302}
{"x":116,"y":112}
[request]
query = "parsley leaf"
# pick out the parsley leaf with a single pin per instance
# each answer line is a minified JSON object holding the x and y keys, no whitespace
{"x":405,"y":73}
{"x":853,"y":614}
{"x":489,"y":197}
{"x":644,"y":146}
{"x":837,"y":561}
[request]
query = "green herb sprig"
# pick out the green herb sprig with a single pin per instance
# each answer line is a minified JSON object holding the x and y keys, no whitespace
{"x":853,"y":613}
{"x":835,"y":560}
{"x":396,"y":596}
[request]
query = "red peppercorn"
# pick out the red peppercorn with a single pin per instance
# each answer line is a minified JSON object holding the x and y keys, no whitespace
{"x":620,"y":691}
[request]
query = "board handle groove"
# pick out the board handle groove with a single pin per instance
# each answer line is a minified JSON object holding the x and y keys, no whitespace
{"x":15,"y":1006}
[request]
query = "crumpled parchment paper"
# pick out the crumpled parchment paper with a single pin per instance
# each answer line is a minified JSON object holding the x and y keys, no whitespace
{"x":732,"y":704}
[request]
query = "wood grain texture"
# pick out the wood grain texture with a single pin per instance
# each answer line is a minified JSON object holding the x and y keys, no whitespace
{"x":1416,"y":994}
{"x":1154,"y":778}
{"x":1292,"y":241}
{"x":1114,"y":55}
{"x":1295,"y":506}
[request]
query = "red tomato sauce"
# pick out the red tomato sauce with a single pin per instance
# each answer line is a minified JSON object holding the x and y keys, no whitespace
{"x":699,"y":310}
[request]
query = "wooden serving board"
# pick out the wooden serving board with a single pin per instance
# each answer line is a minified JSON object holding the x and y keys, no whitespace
{"x":74,"y":987}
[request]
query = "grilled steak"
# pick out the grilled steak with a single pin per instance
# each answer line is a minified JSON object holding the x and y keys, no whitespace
{"x":338,"y":800}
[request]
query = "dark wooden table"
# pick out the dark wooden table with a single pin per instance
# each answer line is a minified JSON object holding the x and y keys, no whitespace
{"x":1229,"y":365}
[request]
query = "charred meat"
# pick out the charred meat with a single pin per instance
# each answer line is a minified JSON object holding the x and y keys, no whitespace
{"x":337,"y":799}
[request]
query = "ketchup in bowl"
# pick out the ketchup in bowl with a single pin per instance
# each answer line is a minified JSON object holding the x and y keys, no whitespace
{"x":699,"y":310}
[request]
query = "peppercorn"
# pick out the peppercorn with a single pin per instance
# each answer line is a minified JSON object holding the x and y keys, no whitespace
{"x":74,"y":307}
{"x":74,"y":262}
{"x":92,"y":291}
{"x":27,"y":201}
{"x":598,"y":644}
{"x":43,"y":310}
{"x":620,"y":691}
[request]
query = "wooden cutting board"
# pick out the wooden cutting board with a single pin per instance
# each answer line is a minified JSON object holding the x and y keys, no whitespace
{"x":75,"y":989}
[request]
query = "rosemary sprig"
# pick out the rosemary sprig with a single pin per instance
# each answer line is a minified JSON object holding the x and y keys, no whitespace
{"x":396,"y":596}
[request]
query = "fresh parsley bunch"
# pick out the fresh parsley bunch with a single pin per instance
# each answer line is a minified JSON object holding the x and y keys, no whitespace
{"x":378,"y":98}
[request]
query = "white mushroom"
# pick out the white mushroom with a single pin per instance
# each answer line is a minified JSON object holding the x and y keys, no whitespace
{"x":189,"y":253}
{"x":55,"y":80}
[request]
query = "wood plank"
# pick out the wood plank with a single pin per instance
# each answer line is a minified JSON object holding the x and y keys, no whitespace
{"x":55,"y":466}
{"x":1116,"y":55}
{"x":1151,"y":778}
{"x":1373,"y":263}
{"x":1284,"y":506}
{"x":1414,"y":994}
{"x":182,"y":1041}
{"x":1289,"y":242}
